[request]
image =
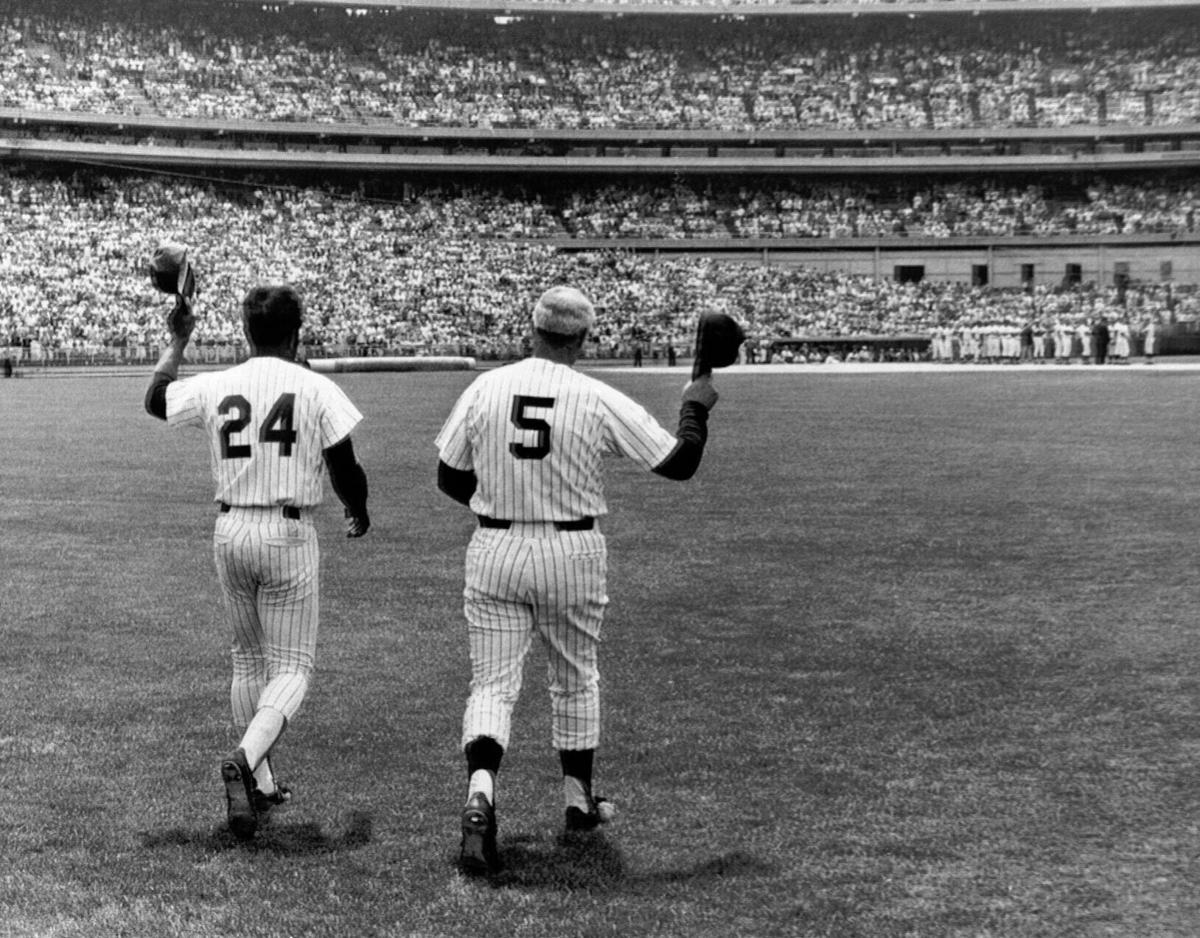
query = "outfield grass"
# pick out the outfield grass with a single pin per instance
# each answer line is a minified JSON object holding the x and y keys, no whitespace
{"x":913,"y":655}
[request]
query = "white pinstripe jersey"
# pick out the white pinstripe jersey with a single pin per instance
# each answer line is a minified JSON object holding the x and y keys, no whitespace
{"x":534,"y":433}
{"x":268,"y":422}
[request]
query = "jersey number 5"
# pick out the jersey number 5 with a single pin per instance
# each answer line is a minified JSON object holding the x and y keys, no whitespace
{"x":541,"y":446}
{"x":278,"y":428}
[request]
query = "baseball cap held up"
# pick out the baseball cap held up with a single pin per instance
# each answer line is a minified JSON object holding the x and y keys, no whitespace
{"x":563,"y":310}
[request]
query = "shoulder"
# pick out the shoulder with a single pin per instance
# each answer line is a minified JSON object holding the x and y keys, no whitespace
{"x":488,"y":382}
{"x":602,"y":389}
{"x":198,"y":382}
{"x":612,"y":399}
{"x":300,"y":376}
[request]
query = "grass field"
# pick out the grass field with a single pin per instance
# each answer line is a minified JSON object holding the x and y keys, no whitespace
{"x":912,"y":655}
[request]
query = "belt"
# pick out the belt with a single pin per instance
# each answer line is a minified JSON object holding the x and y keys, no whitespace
{"x":288,"y":511}
{"x":580,"y":524}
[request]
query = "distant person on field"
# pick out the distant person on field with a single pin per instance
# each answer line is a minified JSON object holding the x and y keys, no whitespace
{"x":1150,"y":340}
{"x":1100,"y":336}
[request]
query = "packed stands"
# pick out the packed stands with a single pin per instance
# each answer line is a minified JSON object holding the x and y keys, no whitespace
{"x":866,"y":208}
{"x":454,"y":68}
{"x":435,"y":271}
{"x":431,"y":266}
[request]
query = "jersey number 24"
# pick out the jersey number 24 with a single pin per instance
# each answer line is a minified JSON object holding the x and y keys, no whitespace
{"x":277,"y":428}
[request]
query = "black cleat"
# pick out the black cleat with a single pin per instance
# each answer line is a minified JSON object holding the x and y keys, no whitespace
{"x":600,"y":812}
{"x":240,"y":791}
{"x":264,"y":803}
{"x":479,"y":856}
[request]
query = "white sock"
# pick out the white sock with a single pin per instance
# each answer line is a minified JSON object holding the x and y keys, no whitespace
{"x":575,"y":794}
{"x":261,"y":734}
{"x":264,"y":777}
{"x":482,"y":781}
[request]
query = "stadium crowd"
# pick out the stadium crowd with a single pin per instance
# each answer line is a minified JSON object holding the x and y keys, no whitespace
{"x":424,"y":68}
{"x":436,"y":273}
{"x":864,"y":208}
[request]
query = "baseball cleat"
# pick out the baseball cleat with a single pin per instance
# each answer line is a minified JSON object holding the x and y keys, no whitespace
{"x":264,"y":803}
{"x":240,"y":792}
{"x":479,"y":856}
{"x":601,"y":812}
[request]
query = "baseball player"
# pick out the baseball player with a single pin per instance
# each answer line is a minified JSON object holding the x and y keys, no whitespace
{"x":522,"y":448}
{"x":272,"y":427}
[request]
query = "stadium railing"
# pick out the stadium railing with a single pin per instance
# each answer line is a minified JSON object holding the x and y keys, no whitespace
{"x":164,"y":141}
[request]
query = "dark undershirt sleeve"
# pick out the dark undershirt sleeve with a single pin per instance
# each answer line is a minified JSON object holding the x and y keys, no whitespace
{"x":684,"y":459}
{"x":459,"y":484}
{"x":156,"y":395}
{"x":347,"y":477}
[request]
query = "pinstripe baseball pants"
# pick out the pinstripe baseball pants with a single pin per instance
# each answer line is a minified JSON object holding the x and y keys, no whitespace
{"x":532,"y":578}
{"x":267,"y":566}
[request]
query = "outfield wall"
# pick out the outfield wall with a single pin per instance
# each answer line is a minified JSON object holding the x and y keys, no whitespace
{"x":392,"y":363}
{"x":745,"y":8}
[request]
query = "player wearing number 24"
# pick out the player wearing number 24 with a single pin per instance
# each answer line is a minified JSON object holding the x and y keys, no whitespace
{"x":523,"y":449}
{"x":273,"y":426}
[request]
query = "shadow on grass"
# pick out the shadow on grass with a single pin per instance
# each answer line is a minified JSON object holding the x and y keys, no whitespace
{"x":276,"y":837}
{"x":591,"y":862}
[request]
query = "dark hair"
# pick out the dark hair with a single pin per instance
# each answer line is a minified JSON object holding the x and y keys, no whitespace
{"x":272,"y":314}
{"x":559,"y":340}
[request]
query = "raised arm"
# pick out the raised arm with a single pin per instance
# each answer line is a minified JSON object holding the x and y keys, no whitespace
{"x":683,"y":461}
{"x":181,"y":322}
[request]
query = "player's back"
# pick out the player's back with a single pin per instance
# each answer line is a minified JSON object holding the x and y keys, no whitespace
{"x":539,"y":431}
{"x":268,"y":423}
{"x":538,"y":439}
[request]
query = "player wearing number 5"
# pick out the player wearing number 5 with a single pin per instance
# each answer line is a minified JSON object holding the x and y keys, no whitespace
{"x":272,"y":426}
{"x":523,"y":449}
